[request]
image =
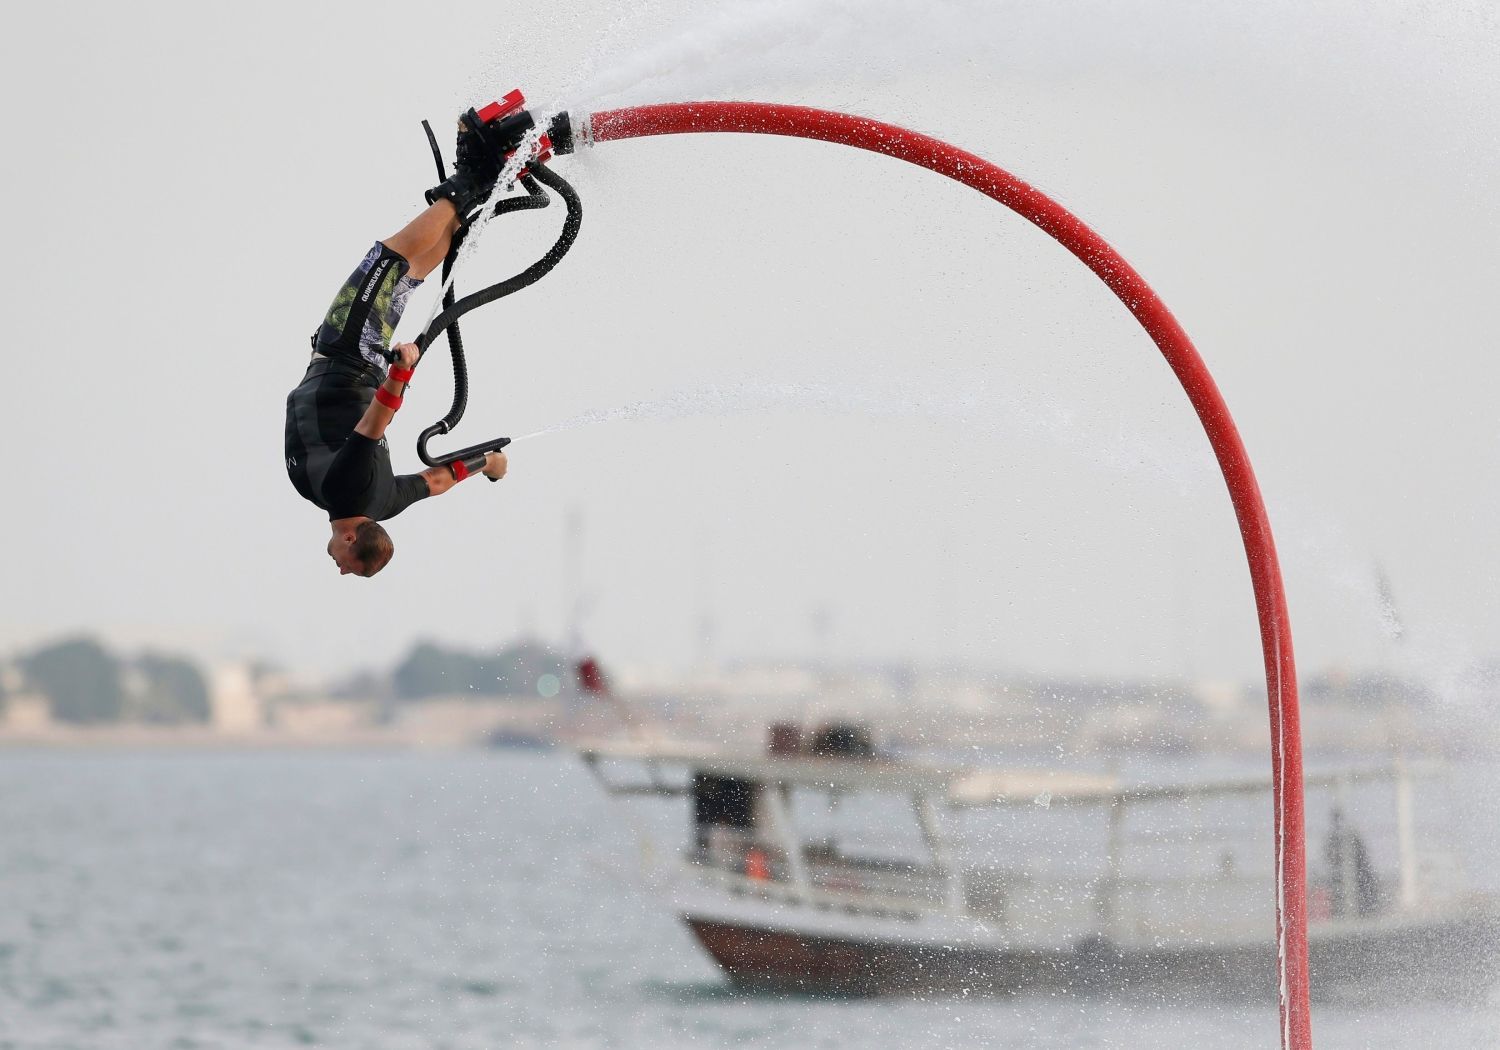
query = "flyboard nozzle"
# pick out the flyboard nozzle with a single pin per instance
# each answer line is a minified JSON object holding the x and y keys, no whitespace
{"x":505,"y":124}
{"x":560,"y":133}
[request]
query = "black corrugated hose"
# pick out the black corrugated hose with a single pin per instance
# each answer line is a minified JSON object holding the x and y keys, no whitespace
{"x":447,"y":321}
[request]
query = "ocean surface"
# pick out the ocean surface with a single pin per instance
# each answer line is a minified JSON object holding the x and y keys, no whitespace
{"x":474,"y":900}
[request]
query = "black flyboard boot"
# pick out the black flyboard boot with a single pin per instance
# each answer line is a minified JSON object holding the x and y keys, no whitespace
{"x":497,"y":128}
{"x":466,"y":189}
{"x":477,"y":167}
{"x":485,"y":138}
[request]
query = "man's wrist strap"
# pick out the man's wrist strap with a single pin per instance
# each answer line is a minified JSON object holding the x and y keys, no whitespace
{"x":401,"y":375}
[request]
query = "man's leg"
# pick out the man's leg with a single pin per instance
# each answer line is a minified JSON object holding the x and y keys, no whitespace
{"x":424,"y":241}
{"x":365,"y":311}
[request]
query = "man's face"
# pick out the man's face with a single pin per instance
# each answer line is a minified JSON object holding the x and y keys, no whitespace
{"x":339,"y":550}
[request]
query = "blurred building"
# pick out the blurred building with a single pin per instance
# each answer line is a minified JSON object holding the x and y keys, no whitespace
{"x":24,"y":714}
{"x":235,"y":703}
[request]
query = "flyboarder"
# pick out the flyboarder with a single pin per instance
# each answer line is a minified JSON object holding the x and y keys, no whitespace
{"x":336,"y":452}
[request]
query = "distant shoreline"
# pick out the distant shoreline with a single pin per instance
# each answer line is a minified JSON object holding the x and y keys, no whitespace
{"x":150,"y":738}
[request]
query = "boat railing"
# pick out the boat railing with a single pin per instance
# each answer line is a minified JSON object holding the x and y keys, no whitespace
{"x":743,"y":853}
{"x":865,"y":901}
{"x":1051,"y":910}
{"x":1032,"y":906}
{"x":1136,"y":909}
{"x":1054,"y":908}
{"x":1045,"y":906}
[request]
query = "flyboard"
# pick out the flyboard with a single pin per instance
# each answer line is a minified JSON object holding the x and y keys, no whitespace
{"x":531,"y":147}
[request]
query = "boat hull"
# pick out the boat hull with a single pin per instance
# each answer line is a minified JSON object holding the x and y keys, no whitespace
{"x":814,"y":964}
{"x":1452,"y":959}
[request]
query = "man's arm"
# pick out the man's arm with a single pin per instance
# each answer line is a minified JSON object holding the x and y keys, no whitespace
{"x":441,"y":479}
{"x":383,"y":409}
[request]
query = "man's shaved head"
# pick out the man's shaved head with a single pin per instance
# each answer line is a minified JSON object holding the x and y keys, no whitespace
{"x":372,"y":546}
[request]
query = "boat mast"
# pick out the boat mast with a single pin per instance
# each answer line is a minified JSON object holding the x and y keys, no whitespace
{"x":1406,"y":836}
{"x":930,"y":820}
{"x":1113,"y":861}
{"x":774,"y":796}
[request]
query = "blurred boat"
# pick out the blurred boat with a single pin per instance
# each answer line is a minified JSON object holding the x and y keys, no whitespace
{"x":1150,"y":905}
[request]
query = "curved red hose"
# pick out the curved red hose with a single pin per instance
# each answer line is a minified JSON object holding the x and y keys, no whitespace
{"x":761,"y":118}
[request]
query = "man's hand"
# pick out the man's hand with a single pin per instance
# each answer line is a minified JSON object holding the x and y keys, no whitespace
{"x":407,"y":354}
{"x":495,"y":465}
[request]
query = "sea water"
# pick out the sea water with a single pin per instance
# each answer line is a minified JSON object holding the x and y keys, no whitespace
{"x":471,"y":900}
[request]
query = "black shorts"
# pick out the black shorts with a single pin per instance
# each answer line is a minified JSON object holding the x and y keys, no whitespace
{"x":321,"y":413}
{"x":331,"y":466}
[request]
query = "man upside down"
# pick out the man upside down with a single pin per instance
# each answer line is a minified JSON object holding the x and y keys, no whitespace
{"x":336,"y":452}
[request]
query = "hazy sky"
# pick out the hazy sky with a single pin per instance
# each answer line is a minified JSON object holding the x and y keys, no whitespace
{"x":848,"y":385}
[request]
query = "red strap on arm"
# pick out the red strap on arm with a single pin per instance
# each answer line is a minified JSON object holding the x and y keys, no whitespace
{"x":386,"y":398}
{"x":459,"y":470}
{"x":401,"y":375}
